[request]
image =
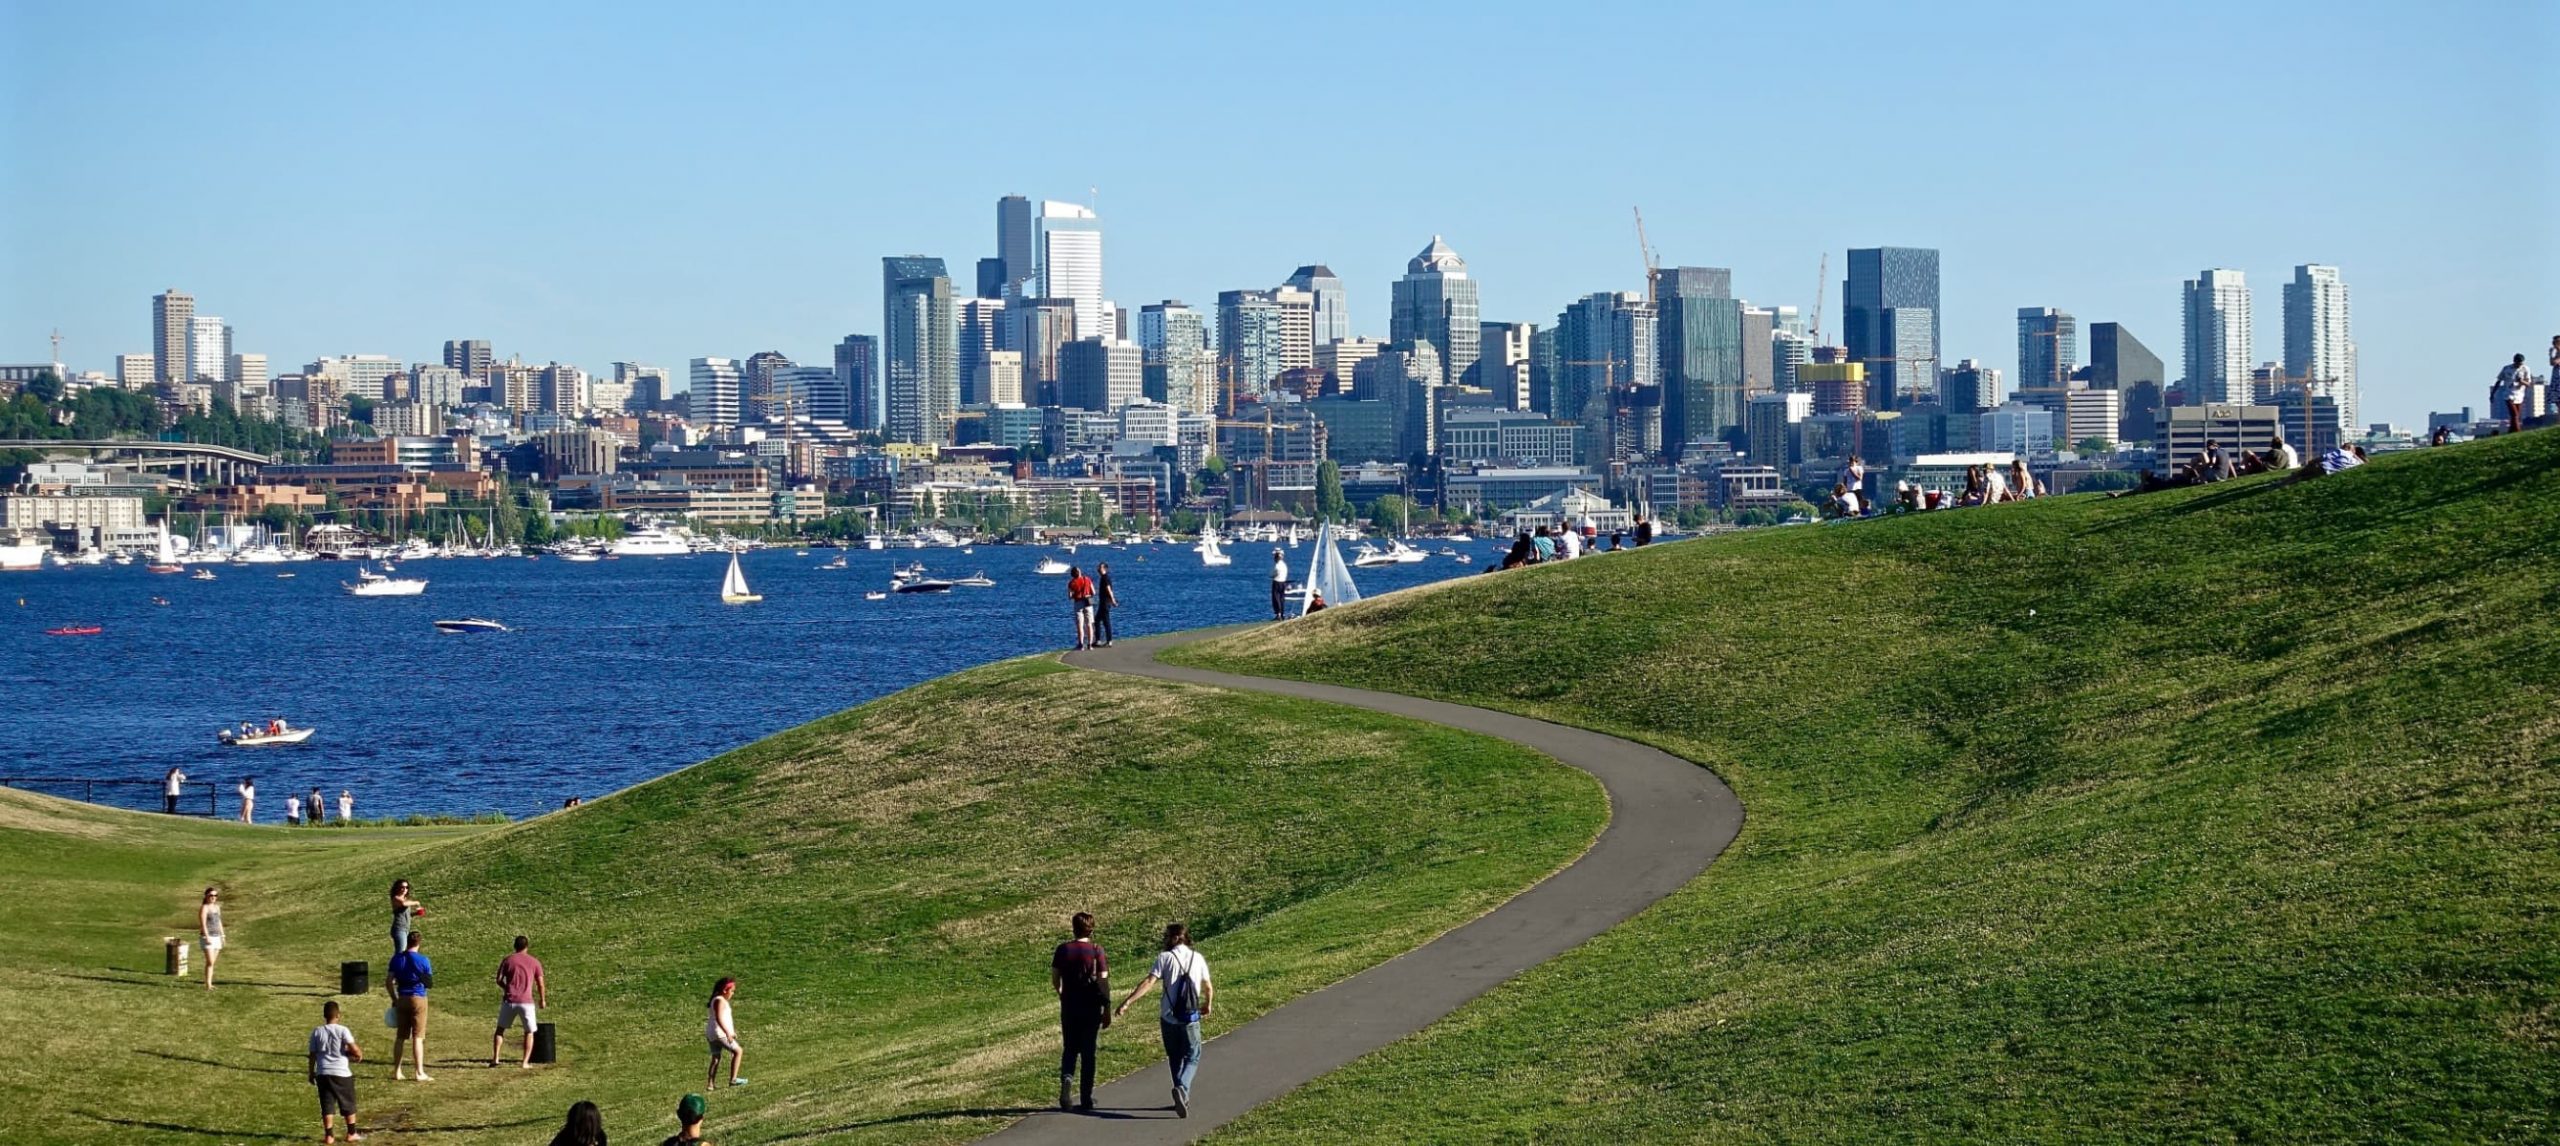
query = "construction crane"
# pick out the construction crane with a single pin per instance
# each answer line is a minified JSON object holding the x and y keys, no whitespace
{"x":1821,"y":280}
{"x":1652,"y":260}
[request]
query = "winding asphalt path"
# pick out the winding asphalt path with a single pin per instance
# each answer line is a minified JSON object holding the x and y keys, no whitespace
{"x":1668,"y":819}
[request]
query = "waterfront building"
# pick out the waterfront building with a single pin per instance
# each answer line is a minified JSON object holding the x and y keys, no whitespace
{"x":1097,"y":374}
{"x":2319,"y":346}
{"x":2218,"y":332}
{"x":1508,"y":437}
{"x":1900,"y":353}
{"x":1700,"y":328}
{"x":715,"y":393}
{"x":2048,"y":346}
{"x":1330,"y":310}
{"x":920,"y":345}
{"x":173,"y":315}
{"x":1435,"y":302}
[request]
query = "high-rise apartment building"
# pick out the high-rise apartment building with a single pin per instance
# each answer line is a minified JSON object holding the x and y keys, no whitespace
{"x":648,"y":386}
{"x":2218,"y":333}
{"x":858,"y":375}
{"x":1435,"y":302}
{"x":137,"y":371}
{"x":1004,"y":378}
{"x":1100,"y":375}
{"x":716,"y":392}
{"x":1759,"y":358}
{"x":1502,"y":362}
{"x":560,"y":389}
{"x":208,"y":349}
{"x":1332,"y":310}
{"x":1900,"y":352}
{"x":246,"y":374}
{"x":1769,"y":423}
{"x":2048,"y":347}
{"x":1042,"y":327}
{"x":1405,"y":376}
{"x":440,"y":385}
{"x":981,"y":333}
{"x":469,"y":355}
{"x":1253,"y":341}
{"x":1297,"y":327}
{"x":1788,"y":350}
{"x":172,"y":329}
{"x":2119,"y":361}
{"x":1173,"y":343}
{"x":920,"y":347}
{"x":1700,"y":332}
{"x":2319,"y":346}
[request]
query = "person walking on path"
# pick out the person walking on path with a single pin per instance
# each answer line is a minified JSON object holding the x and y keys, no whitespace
{"x":411,"y":975}
{"x":1104,"y":600}
{"x":209,"y":925}
{"x":248,"y":790}
{"x":332,"y":1054}
{"x":172,"y":786}
{"x":521,"y":990}
{"x":720,"y":1030}
{"x":585,"y":1127}
{"x":2506,"y":395}
{"x":346,"y":805}
{"x":1080,"y":596}
{"x":689,"y":1111}
{"x":1279,"y":585}
{"x":1189,"y":997}
{"x":1080,"y":975}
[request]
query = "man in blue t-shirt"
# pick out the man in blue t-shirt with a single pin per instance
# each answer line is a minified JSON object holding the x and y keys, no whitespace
{"x":411,"y":975}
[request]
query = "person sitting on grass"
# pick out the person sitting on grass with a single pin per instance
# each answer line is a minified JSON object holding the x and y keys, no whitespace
{"x":689,"y":1111}
{"x":2336,"y":459}
{"x":585,"y":1127}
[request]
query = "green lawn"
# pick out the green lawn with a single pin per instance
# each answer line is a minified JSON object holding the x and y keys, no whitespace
{"x":2230,"y":814}
{"x":886,"y":884}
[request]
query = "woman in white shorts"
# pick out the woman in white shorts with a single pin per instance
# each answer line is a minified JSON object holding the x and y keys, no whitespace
{"x":209,"y":923}
{"x":721,"y":1031}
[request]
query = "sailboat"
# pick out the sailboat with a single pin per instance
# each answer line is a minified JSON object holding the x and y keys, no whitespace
{"x":733,"y":588}
{"x":1210,"y":553}
{"x":1328,"y":577}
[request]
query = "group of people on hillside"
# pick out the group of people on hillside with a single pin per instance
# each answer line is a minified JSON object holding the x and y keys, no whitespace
{"x":311,"y":810}
{"x":1569,"y":540}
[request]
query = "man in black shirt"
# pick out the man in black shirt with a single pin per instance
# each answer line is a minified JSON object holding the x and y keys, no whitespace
{"x":1081,"y":976}
{"x":1103,"y":600}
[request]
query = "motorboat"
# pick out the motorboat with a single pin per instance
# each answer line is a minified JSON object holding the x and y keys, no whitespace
{"x":650,"y":543}
{"x":275,"y":734}
{"x":874,"y":541}
{"x":201,"y":575}
{"x":471,"y":625}
{"x":1050,"y":567}
{"x":978,"y":580}
{"x":1367,"y":556}
{"x":921,"y":585}
{"x":371,"y":584}
{"x":76,"y":630}
{"x":285,"y":576}
{"x":733,"y":587}
{"x":838,"y":563}
{"x":875,"y":596}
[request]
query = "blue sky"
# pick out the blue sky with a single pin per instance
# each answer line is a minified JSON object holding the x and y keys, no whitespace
{"x":660,"y":182}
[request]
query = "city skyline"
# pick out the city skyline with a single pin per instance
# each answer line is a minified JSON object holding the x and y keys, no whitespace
{"x":635,"y":259}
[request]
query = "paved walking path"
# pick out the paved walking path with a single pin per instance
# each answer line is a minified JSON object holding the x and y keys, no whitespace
{"x":1668,"y":819}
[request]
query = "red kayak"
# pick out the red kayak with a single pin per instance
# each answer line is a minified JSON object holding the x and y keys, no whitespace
{"x":76,"y":631}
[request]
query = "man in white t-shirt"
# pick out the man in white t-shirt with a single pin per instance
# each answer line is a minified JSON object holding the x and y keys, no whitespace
{"x":1569,"y":544}
{"x":293,"y":810}
{"x":332,"y":1056}
{"x":1189,"y":996}
{"x":175,"y":787}
{"x":1279,"y":585}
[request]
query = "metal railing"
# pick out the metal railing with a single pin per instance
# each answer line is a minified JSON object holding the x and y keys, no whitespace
{"x":149,"y":797}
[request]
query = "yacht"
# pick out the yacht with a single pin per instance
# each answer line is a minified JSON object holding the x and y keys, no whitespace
{"x":651,"y":542}
{"x":977,"y":580}
{"x":371,"y":584}
{"x":21,"y":557}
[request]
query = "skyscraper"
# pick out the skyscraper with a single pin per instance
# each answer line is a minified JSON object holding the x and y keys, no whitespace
{"x":1898,"y":357}
{"x":1095,"y":374}
{"x":2218,"y":329}
{"x":858,"y":373}
{"x":1069,"y":247}
{"x":1502,"y":361}
{"x":2119,"y":361}
{"x":760,"y":369}
{"x":2319,"y":348}
{"x":1332,"y":315}
{"x":1968,"y":387}
{"x":1042,"y":327}
{"x":468,"y":355}
{"x":1435,"y":302}
{"x":1252,"y":340}
{"x":1604,"y":342}
{"x":1171,"y":342}
{"x":1404,"y":376}
{"x":713,"y":394}
{"x":1759,"y":357}
{"x":981,"y":333}
{"x":2048,"y":347}
{"x":208,"y":349}
{"x":1701,"y":351}
{"x":920,"y":342}
{"x":172,"y":326}
{"x":1015,"y":254}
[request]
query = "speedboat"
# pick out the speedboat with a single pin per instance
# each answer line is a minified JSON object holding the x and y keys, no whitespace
{"x":371,"y":584}
{"x":471,"y":625}
{"x":1050,"y":567}
{"x":1368,"y":556}
{"x":875,"y":596}
{"x":76,"y":630}
{"x":838,"y":563}
{"x":283,"y":734}
{"x":202,"y":575}
{"x":922,"y":585}
{"x":978,"y":580}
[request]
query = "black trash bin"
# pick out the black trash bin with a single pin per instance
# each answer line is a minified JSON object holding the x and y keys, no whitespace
{"x":544,"y":1051}
{"x":354,"y":978}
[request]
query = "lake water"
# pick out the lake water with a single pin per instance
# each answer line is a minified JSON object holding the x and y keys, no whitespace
{"x":617,"y":671}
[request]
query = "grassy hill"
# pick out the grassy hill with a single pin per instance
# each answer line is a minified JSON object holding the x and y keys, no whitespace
{"x":885,"y":883}
{"x":2229,"y":814}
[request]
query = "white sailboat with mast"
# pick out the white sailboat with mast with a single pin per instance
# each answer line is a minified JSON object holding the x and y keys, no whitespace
{"x":1328,"y":576}
{"x":733,"y":588}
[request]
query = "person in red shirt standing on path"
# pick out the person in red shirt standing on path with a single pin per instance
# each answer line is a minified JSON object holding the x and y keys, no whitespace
{"x":1080,"y":594}
{"x":521,"y":991}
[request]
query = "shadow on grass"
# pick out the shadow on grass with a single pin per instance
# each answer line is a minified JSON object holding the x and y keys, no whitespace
{"x":210,"y":1062}
{"x":175,"y":1128}
{"x":926,"y":1116}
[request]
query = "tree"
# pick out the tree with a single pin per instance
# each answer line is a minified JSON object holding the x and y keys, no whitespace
{"x":2094,"y":447}
{"x":46,"y":388}
{"x":1390,"y":512}
{"x":1330,"y":504}
{"x":2104,"y":480}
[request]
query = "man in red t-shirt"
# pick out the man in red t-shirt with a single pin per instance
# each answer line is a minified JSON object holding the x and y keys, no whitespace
{"x":1081,"y":976}
{"x":521,"y":990}
{"x":1080,"y":594}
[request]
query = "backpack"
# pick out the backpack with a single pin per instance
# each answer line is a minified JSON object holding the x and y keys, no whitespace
{"x":1184,"y":996}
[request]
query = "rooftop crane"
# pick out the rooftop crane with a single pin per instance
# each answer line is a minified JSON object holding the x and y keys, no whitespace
{"x":1652,"y":260}
{"x":1821,"y":279}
